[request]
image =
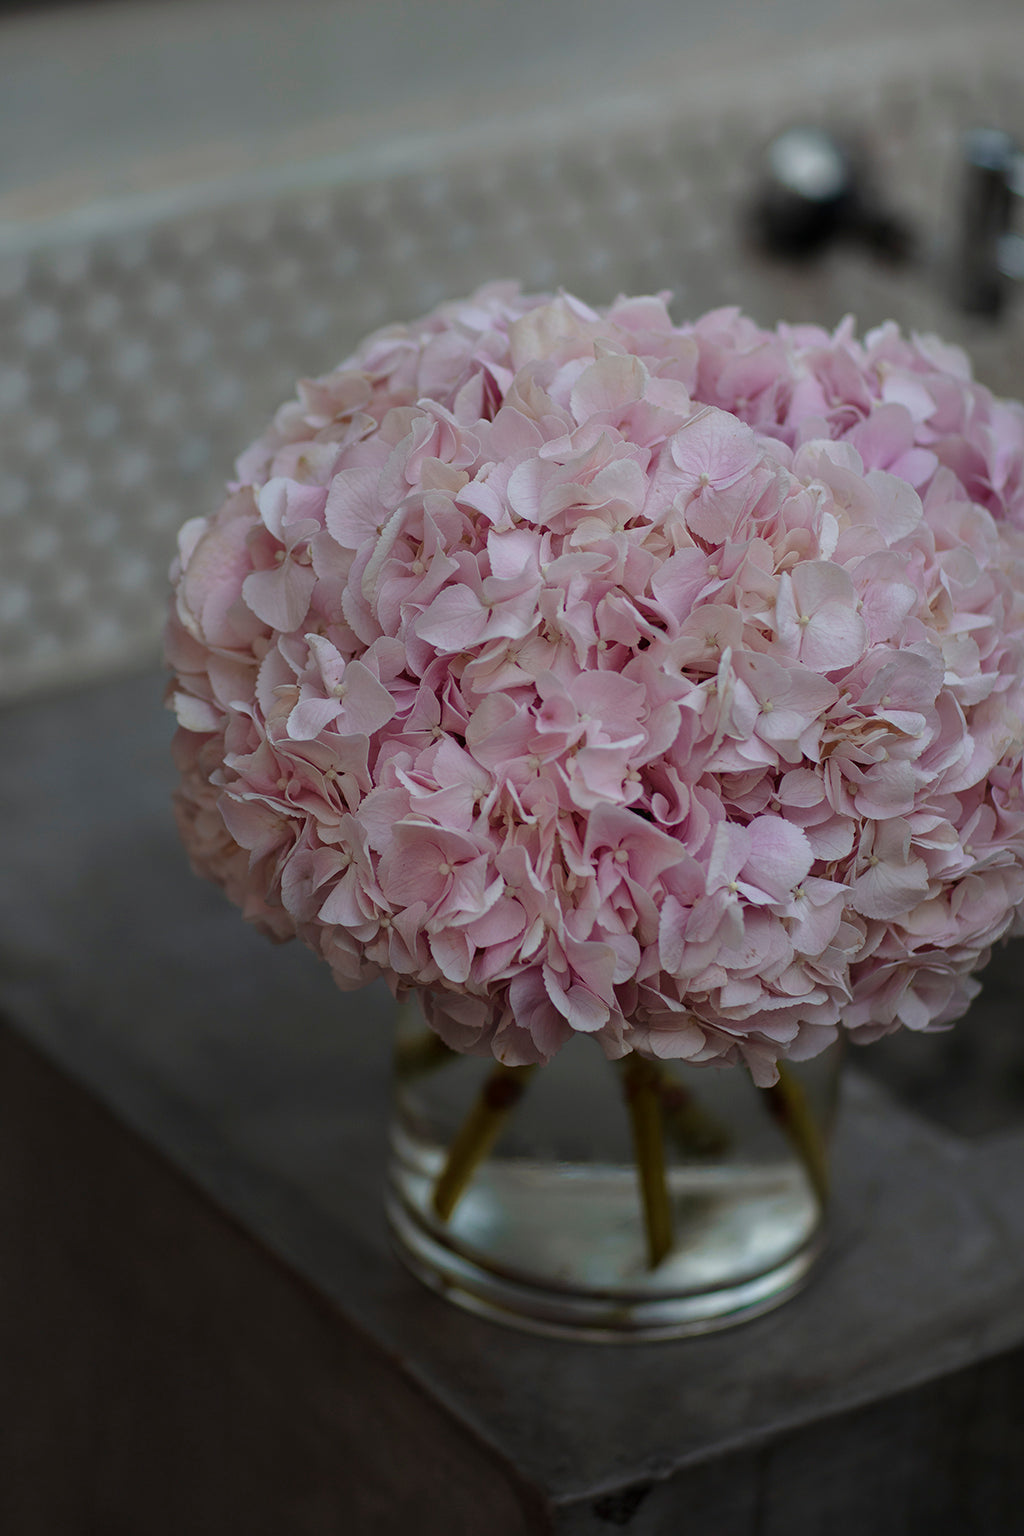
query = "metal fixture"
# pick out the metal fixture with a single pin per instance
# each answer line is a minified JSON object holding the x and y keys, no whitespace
{"x":990,"y":253}
{"x":814,"y":188}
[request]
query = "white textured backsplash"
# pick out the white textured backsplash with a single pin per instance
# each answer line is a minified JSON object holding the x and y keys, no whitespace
{"x":145,"y":343}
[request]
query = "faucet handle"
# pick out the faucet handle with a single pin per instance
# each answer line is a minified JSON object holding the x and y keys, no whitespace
{"x":815,"y":187}
{"x":990,"y":252}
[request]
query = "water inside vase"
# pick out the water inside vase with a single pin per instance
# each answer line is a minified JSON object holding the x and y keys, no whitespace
{"x":551,"y":1224}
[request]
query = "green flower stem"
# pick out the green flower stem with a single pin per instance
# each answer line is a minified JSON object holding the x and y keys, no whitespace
{"x":789,"y":1108}
{"x":477,"y":1135}
{"x":419,"y":1054}
{"x":642,"y":1084}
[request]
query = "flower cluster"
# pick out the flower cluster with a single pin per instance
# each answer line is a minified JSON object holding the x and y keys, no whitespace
{"x":593,"y":673}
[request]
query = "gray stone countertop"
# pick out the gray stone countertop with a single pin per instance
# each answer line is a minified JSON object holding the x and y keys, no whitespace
{"x":244,"y":1067}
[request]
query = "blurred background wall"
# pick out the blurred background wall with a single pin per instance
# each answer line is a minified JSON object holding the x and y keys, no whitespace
{"x":104,"y":98}
{"x":201,"y":201}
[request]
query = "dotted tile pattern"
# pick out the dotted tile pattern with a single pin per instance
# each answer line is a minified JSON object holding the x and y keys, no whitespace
{"x":135,"y":366}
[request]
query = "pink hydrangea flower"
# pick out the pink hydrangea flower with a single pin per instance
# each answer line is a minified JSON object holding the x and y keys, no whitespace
{"x":591,"y":673}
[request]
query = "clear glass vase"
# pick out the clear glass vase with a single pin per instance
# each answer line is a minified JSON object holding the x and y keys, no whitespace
{"x":605,"y":1200}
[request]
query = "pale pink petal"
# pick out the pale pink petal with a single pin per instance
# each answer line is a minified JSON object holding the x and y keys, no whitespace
{"x":455,"y":619}
{"x":280,"y":596}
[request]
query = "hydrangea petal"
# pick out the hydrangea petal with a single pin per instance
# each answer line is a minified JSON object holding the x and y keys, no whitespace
{"x":594,"y":673}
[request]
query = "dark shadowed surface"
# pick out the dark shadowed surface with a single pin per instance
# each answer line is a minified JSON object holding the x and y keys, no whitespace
{"x":207,"y":1302}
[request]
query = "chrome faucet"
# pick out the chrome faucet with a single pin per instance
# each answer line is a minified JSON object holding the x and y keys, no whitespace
{"x":990,"y":253}
{"x":815,"y":188}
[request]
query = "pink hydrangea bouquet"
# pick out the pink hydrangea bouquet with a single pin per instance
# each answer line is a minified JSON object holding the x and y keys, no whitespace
{"x":586,"y":672}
